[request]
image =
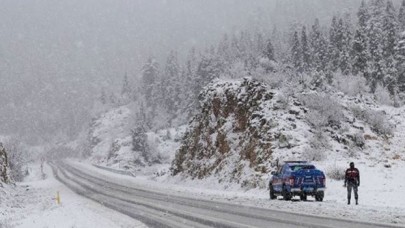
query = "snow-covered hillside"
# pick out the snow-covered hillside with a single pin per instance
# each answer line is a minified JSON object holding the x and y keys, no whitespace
{"x":329,"y":128}
{"x":310,"y":126}
{"x":114,"y":135}
{"x":110,"y":135}
{"x":243,"y":128}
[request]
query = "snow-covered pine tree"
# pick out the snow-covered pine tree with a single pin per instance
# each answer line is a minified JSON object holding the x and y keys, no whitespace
{"x":223,"y":49}
{"x":243,"y":44}
{"x":305,"y":51}
{"x":140,"y":145}
{"x":173,"y":84}
{"x":296,"y":52}
{"x":335,"y":44}
{"x":390,"y":40}
{"x":390,"y":28}
{"x":319,"y":47}
{"x":268,"y":61}
{"x":191,"y":85}
{"x":400,"y":59}
{"x":363,"y":16}
{"x":401,"y":17}
{"x":209,"y":68}
{"x":346,"y":40}
{"x":150,"y":74}
{"x":261,"y":44}
{"x":359,"y":54}
{"x":280,"y":46}
{"x":375,"y":42}
{"x":126,"y":91}
{"x":4,"y":166}
{"x":269,"y":51}
{"x":250,"y":57}
{"x":236,"y":49}
{"x":17,"y":158}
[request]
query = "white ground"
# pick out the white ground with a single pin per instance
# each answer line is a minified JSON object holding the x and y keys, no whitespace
{"x":32,"y":205}
{"x":381,"y":193}
{"x":381,"y":198}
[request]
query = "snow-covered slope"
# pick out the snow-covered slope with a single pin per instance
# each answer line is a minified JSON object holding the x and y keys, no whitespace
{"x":113,"y":134}
{"x":243,"y":129}
{"x":110,"y":129}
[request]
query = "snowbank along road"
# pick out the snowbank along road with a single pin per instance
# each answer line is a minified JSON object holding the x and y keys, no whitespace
{"x":156,"y":209}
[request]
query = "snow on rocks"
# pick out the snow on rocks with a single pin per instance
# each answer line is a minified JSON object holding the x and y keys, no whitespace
{"x":229,"y":138}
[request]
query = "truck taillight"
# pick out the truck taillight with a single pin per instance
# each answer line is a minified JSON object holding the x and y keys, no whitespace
{"x":291,"y":181}
{"x":322,"y":180}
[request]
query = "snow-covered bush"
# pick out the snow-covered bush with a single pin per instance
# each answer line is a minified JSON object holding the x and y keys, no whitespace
{"x":318,"y":80}
{"x":382,"y":95}
{"x":351,"y":85}
{"x":317,"y":119}
{"x":17,"y":158}
{"x":4,"y":166}
{"x":335,"y":172}
{"x":376,"y":119}
{"x":314,"y":154}
{"x":359,"y":140}
{"x":274,"y":80}
{"x":319,"y":144}
{"x":282,"y":101}
{"x":323,"y":110}
{"x":352,"y":152}
{"x":155,"y":155}
{"x":358,"y":112}
{"x":140,"y":145}
{"x":145,"y":150}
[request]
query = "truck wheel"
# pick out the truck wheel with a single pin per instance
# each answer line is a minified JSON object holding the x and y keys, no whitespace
{"x":286,"y":195}
{"x":303,"y":197}
{"x":319,"y":196}
{"x":272,"y":195}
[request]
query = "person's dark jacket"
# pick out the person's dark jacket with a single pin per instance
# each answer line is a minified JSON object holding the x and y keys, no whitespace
{"x":352,"y":176}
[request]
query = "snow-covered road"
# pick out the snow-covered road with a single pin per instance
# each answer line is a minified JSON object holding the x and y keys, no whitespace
{"x":158,"y":209}
{"x":32,"y":204}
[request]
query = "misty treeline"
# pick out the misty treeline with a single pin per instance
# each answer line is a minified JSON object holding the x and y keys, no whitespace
{"x":363,"y":48}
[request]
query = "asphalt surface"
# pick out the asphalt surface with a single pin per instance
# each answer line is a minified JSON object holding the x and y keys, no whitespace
{"x":158,"y":210}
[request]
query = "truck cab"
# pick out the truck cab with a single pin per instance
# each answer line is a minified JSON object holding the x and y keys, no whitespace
{"x":297,"y":178}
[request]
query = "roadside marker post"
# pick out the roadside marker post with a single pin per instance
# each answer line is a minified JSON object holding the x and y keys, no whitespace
{"x":57,"y":198}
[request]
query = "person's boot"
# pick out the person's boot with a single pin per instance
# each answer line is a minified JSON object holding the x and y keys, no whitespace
{"x":357,"y":202}
{"x":348,"y":201}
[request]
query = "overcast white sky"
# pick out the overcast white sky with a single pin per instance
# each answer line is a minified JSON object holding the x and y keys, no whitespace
{"x":55,"y":55}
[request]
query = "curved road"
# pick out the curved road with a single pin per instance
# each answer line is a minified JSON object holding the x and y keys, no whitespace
{"x":165,"y":210}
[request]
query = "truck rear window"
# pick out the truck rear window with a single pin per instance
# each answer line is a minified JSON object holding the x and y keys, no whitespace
{"x":299,"y":167}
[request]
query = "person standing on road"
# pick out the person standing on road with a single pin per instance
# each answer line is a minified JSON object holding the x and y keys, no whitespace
{"x":352,"y":181}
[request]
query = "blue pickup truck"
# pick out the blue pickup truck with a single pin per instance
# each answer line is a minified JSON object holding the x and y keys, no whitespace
{"x":297,"y":178}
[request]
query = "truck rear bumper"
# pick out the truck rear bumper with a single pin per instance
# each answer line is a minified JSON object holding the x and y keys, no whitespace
{"x":307,"y":190}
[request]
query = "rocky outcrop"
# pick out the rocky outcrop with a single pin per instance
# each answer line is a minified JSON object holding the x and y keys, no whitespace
{"x":4,"y":167}
{"x":229,"y":138}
